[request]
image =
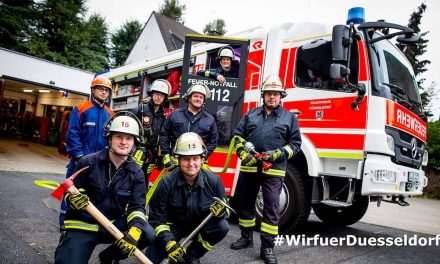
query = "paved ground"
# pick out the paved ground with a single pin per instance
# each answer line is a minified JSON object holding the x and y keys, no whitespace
{"x":24,"y":156}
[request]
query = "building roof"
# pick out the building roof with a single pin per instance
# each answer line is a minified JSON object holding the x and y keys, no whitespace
{"x":173,"y":32}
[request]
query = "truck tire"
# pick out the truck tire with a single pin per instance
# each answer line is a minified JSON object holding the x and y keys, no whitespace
{"x":295,"y":200}
{"x":342,"y":216}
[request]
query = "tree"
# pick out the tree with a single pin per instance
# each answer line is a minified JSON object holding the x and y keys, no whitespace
{"x":173,"y":10}
{"x":216,"y":27}
{"x":413,"y":53}
{"x":123,"y":41}
{"x":433,"y":145}
{"x":15,"y":23}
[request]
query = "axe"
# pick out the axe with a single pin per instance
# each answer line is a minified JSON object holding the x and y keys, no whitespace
{"x":200,"y":226}
{"x":68,"y":186}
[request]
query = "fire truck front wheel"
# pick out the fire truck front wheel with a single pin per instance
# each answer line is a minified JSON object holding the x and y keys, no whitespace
{"x":342,"y":216}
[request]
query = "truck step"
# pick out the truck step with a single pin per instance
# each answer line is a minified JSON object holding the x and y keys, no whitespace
{"x":335,"y":203}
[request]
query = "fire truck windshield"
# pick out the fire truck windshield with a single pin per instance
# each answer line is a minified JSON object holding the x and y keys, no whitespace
{"x":393,"y":76}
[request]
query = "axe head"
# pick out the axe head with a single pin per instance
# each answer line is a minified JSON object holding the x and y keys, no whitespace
{"x":59,"y":192}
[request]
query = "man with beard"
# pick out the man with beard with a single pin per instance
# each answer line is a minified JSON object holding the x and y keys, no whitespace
{"x":183,"y":199}
{"x":189,"y":118}
{"x":115,"y":184}
{"x":152,"y":117}
{"x":275,"y":133}
{"x":85,"y":134}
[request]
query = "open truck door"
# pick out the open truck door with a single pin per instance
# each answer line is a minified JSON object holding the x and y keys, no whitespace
{"x":226,"y":102}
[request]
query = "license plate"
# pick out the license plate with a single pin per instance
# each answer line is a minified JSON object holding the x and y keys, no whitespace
{"x":413,"y":176}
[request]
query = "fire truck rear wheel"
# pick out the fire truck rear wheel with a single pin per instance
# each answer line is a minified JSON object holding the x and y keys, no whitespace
{"x":342,"y":216}
{"x":295,"y":203}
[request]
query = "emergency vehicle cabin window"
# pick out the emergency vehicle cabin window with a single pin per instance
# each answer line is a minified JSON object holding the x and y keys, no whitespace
{"x":213,"y":61}
{"x":312,"y":68}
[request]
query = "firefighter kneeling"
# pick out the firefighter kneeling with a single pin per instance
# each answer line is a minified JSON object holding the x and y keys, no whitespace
{"x":183,"y":199}
{"x":115,"y":184}
{"x":274,"y":132}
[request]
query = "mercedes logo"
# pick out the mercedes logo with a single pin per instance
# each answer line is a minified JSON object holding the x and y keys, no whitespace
{"x":414,"y":148}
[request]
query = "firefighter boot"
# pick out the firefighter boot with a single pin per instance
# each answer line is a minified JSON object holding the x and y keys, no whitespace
{"x":190,"y":259}
{"x":246,"y":240}
{"x":268,"y":256}
{"x":107,"y":256}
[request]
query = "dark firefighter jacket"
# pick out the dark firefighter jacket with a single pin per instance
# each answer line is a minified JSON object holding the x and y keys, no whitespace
{"x":152,"y":123}
{"x":279,"y":130}
{"x":116,"y":193}
{"x":176,"y":203}
{"x":213,"y":73}
{"x":181,"y":121}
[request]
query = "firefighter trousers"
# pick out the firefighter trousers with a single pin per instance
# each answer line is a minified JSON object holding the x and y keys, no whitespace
{"x":212,"y":233}
{"x":248,"y":187}
{"x":76,"y":246}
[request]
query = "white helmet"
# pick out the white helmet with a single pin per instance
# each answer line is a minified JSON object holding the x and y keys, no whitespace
{"x":124,"y":124}
{"x":199,"y":88}
{"x":161,"y":86}
{"x":190,"y":144}
{"x":226,"y":52}
{"x":273,"y":83}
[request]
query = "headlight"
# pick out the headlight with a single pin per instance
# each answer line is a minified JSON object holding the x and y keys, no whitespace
{"x":390,"y":143}
{"x":383,"y":176}
{"x":425,"y":158}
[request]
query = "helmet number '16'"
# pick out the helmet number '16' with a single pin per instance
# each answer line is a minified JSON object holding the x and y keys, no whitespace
{"x":125,"y":124}
{"x":192,"y":146}
{"x":220,"y":95}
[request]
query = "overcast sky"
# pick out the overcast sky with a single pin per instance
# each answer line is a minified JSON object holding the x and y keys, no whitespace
{"x":240,"y":15}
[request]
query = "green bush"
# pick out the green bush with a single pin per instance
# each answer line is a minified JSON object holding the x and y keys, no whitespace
{"x":432,"y":191}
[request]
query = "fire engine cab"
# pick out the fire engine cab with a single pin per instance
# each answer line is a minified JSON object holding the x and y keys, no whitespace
{"x":353,"y":91}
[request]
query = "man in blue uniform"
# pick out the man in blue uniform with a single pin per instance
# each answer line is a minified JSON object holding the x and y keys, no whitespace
{"x":225,"y":58}
{"x":190,"y":118}
{"x":182,"y":200}
{"x":115,"y":184}
{"x":152,"y":117}
{"x":274,"y":132}
{"x":86,"y":128}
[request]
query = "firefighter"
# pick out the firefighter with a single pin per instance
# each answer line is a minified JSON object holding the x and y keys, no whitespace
{"x":115,"y":184}
{"x":152,"y":117}
{"x":275,"y":133}
{"x":182,"y":200}
{"x":225,"y":58}
{"x":85,"y":133}
{"x":190,"y":118}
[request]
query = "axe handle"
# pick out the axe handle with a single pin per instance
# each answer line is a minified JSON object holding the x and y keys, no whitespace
{"x":112,"y":229}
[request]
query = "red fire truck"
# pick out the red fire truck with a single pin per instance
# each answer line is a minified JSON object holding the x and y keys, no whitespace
{"x":355,"y":96}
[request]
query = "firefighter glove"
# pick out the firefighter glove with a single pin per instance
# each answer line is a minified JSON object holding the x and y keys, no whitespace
{"x":272,"y":155}
{"x":175,"y":252}
{"x":218,"y":209}
{"x":77,"y":201}
{"x":247,"y":159}
{"x":128,"y":243}
{"x":169,"y":162}
{"x":139,"y":157}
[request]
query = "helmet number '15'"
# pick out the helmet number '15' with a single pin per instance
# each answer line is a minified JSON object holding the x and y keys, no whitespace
{"x":192,"y":146}
{"x":220,"y":95}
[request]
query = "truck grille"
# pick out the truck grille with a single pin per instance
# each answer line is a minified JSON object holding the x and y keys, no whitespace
{"x":408,"y":149}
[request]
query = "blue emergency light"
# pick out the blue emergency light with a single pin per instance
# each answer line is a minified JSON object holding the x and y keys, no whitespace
{"x":356,"y":15}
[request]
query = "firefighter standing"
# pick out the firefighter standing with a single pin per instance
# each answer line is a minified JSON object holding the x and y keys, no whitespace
{"x":190,"y":118}
{"x":152,"y":117}
{"x":274,"y":132}
{"x":85,"y":134}
{"x":226,"y":58}
{"x":182,"y":200}
{"x":115,"y":184}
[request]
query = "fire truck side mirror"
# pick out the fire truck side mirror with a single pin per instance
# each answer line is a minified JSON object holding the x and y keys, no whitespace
{"x":338,"y":71}
{"x":340,"y":42}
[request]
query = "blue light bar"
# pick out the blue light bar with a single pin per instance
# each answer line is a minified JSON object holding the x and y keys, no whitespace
{"x":356,"y":15}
